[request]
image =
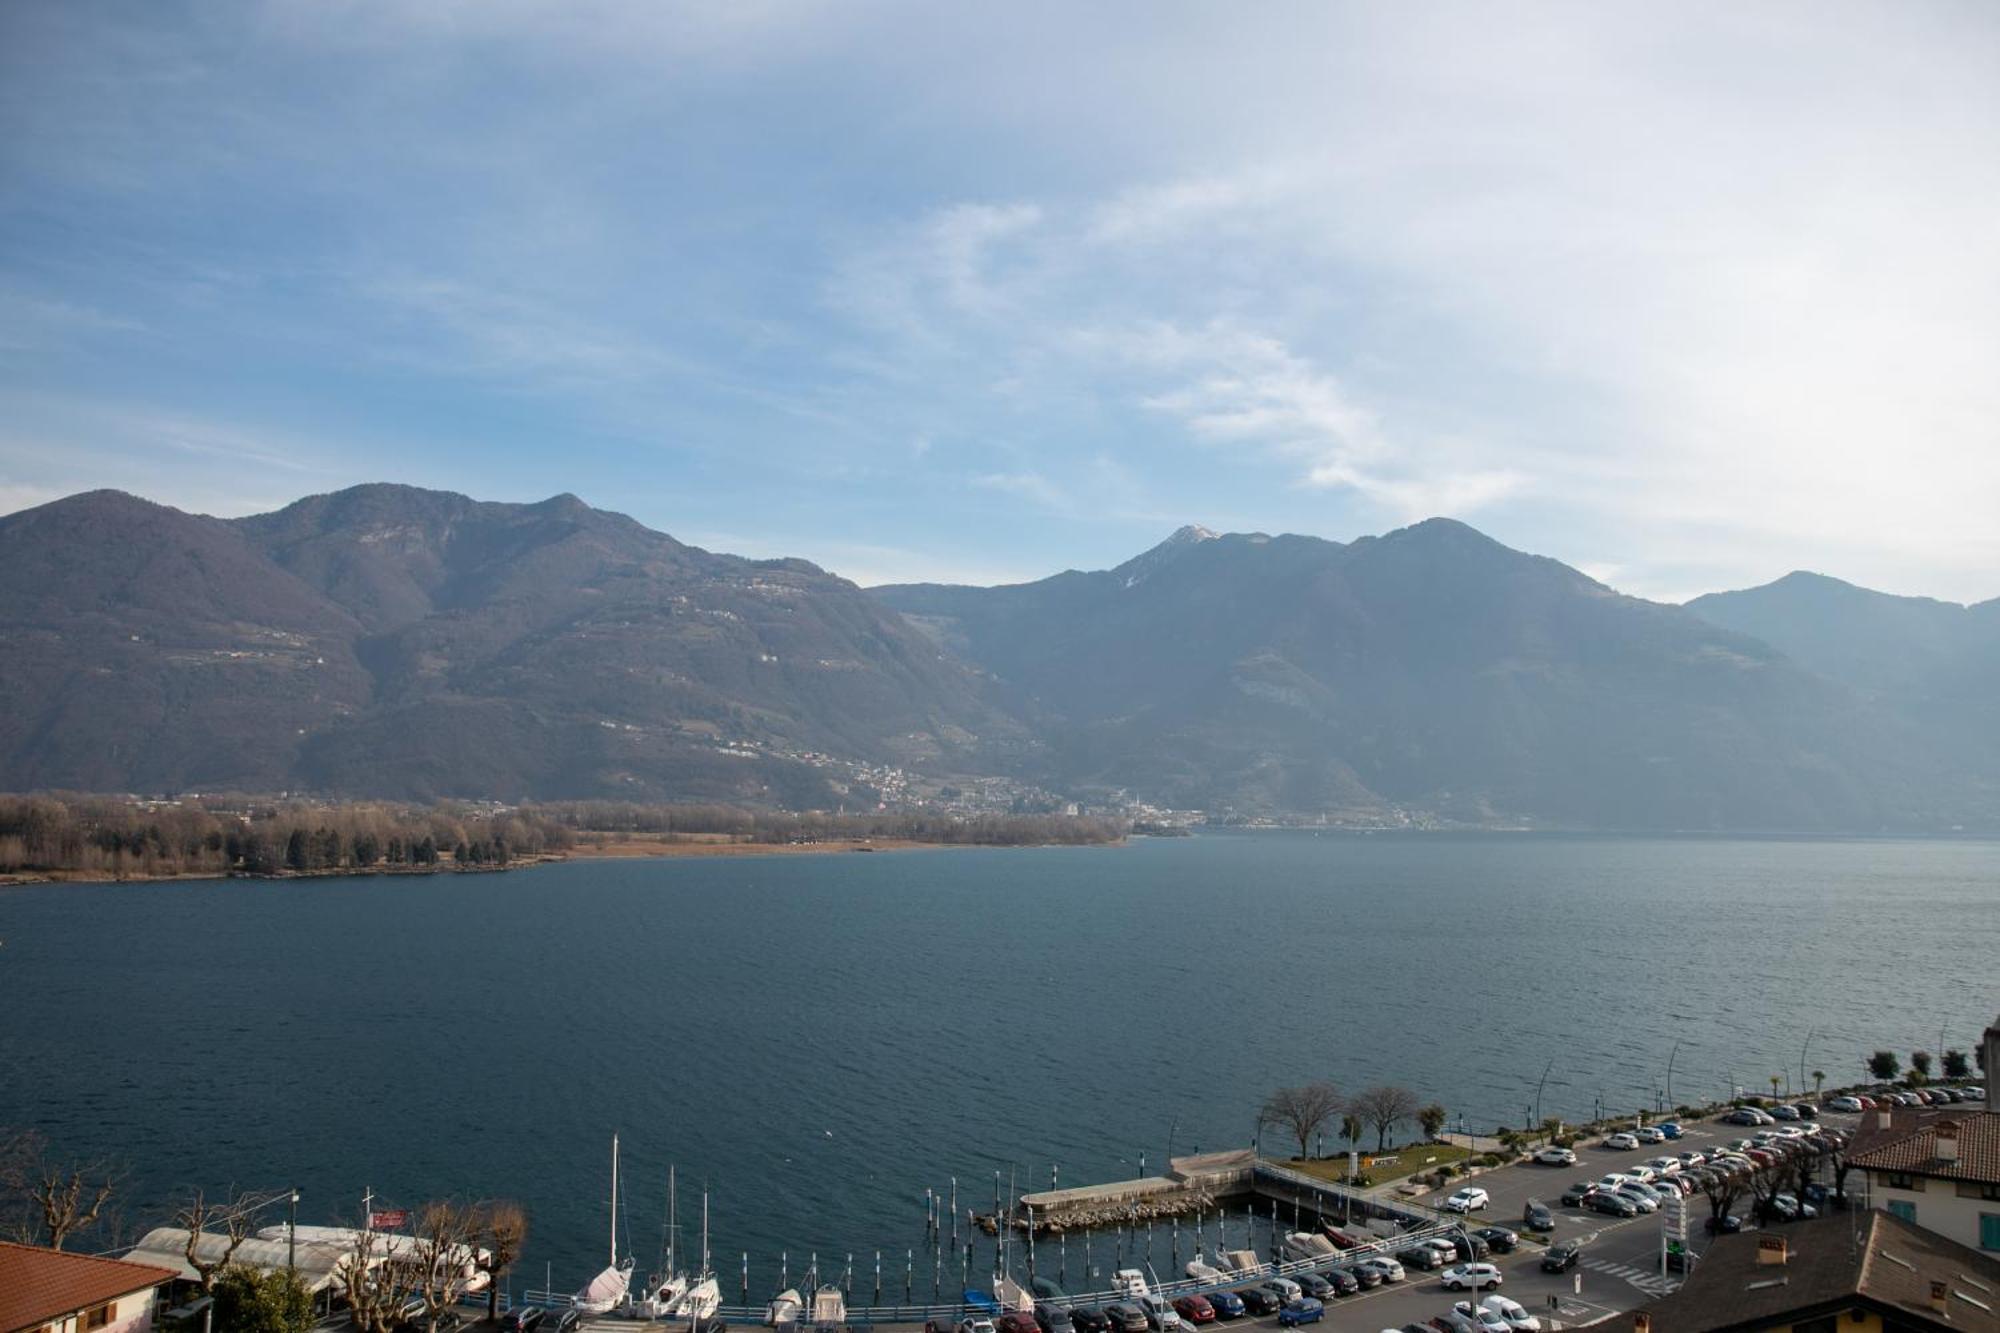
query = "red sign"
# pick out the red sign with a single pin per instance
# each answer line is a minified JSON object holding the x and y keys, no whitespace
{"x":390,"y":1220}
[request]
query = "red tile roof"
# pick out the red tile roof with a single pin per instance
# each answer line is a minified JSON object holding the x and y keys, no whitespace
{"x":38,"y":1285}
{"x":1909,"y":1144}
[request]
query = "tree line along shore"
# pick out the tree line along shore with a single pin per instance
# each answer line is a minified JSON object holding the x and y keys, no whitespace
{"x":71,"y":836}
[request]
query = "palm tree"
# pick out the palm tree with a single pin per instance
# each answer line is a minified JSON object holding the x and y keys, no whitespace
{"x":1819,"y":1077}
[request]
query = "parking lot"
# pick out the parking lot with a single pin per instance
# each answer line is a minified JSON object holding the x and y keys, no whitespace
{"x":1620,"y":1267}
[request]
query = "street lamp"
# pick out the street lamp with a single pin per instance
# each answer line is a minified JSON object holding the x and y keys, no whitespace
{"x":292,"y":1234}
{"x":1670,"y":1069}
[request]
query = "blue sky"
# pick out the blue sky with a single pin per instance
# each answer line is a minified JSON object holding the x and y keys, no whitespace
{"x":1688,"y":296}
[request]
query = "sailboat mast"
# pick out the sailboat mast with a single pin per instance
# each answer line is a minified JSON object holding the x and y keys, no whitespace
{"x":704,"y":1232}
{"x":614,"y":1199}
{"x":673,"y":1224}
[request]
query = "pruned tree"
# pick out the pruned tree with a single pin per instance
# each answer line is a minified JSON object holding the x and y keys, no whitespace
{"x":1920,"y":1067}
{"x":1819,"y":1081}
{"x":1767,"y":1182}
{"x":376,"y":1283}
{"x":446,"y":1235}
{"x":1431,"y":1120}
{"x":1722,"y":1189}
{"x":47,"y":1200}
{"x":503,"y":1231}
{"x":1884,"y":1066}
{"x":1350,"y":1128}
{"x":1956,"y":1066}
{"x":232,"y":1220}
{"x":1385,"y":1106}
{"x":1302,"y":1111}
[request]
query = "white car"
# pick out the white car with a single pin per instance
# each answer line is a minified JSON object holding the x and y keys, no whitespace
{"x":1292,"y":1291}
{"x":1467,"y":1277}
{"x":1443,"y":1249}
{"x":1650,"y":1134}
{"x":1612,"y":1180}
{"x":1691,"y":1159}
{"x":1622,"y":1141}
{"x":1642,"y":1173}
{"x":1643,"y":1201}
{"x":1390,"y":1269}
{"x":1483,"y":1319}
{"x":1843,"y":1104}
{"x":1510,"y":1310}
{"x":1467,"y":1200}
{"x":1665,"y":1166}
{"x":1553,"y":1156}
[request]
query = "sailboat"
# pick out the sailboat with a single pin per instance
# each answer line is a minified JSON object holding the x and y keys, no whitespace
{"x":665,"y":1290}
{"x":609,"y":1288}
{"x":704,"y":1296}
{"x":785,"y":1308}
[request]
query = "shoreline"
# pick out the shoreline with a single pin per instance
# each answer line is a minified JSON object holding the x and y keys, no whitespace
{"x":620,"y":848}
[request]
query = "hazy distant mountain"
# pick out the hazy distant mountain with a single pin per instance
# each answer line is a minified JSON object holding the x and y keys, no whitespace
{"x":1431,"y":669}
{"x":395,"y":641}
{"x":1935,"y":663}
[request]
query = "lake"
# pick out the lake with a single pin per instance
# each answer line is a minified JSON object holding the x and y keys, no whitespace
{"x":820,"y":1039}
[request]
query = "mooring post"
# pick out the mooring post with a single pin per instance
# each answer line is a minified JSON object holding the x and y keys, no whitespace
{"x":746,"y":1277}
{"x":954,"y":1212}
{"x":1031,"y":1242}
{"x":1062,"y":1258}
{"x":878,"y":1277}
{"x":784,"y":1270}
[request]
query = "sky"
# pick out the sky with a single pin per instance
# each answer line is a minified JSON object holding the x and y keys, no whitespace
{"x":1687,"y":296}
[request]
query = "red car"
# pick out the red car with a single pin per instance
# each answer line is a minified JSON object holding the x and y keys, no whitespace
{"x":1194,"y":1309}
{"x":1014,"y":1321}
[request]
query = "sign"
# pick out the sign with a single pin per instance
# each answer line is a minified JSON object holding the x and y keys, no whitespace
{"x":389,"y":1220}
{"x":1673,"y":1219}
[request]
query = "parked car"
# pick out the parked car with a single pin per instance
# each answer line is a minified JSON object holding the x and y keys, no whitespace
{"x":1363,"y":1281}
{"x":1469,"y":1277}
{"x":1443,"y":1249}
{"x":1304,"y":1310}
{"x":1127,"y":1317}
{"x":1467,"y":1200}
{"x":1554,"y":1156}
{"x":1726,"y":1225}
{"x":1511,"y":1310}
{"x":1381,"y":1264}
{"x":1483,"y":1319}
{"x":1419,"y":1256}
{"x":1647,"y":1201}
{"x":1535,"y":1216}
{"x":1746,"y":1115}
{"x":1088,"y":1319}
{"x":1256,"y":1300}
{"x":1226,"y":1304}
{"x":1468,"y":1246}
{"x":1612,"y":1203}
{"x":1622,"y":1141}
{"x":1053,"y":1318}
{"x":1562,"y":1256}
{"x":1611,"y":1180}
{"x":1451,"y":1321}
{"x":1577,"y":1193}
{"x":1651,"y":1134}
{"x":1782,"y":1112}
{"x":1194,"y":1309}
{"x":1499,"y":1239}
{"x":524,"y":1320}
{"x":1016,"y":1321}
{"x":1319,"y":1287}
{"x":563,"y":1321}
{"x":1284,"y":1287}
{"x":1670,"y":1129}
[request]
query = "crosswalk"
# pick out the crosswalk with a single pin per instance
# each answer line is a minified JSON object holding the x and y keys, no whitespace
{"x":1647,"y":1280}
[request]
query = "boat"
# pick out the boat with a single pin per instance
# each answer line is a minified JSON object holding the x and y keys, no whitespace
{"x":1308,"y":1245}
{"x":664,"y":1291}
{"x":613,"y":1286}
{"x":785,"y":1308}
{"x":829,"y":1307}
{"x":1203,"y":1272}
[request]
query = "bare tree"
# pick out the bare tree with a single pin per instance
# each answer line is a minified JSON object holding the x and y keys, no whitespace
{"x":1385,"y":1106}
{"x":503,"y":1232}
{"x":443,"y":1256}
{"x":232,"y":1220}
{"x":1723,"y":1188}
{"x":1767,"y":1182}
{"x":1302,"y":1110}
{"x":376,"y":1287}
{"x":46,"y":1199}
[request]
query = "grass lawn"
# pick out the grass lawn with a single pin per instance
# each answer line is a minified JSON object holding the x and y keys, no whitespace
{"x":1384,"y":1167}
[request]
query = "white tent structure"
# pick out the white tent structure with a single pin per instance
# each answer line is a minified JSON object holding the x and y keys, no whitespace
{"x":320,"y":1262}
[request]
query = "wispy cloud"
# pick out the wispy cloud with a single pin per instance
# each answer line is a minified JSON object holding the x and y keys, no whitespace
{"x":1030,"y":486}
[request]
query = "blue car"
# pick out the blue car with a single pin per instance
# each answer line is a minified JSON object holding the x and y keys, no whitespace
{"x":1227,"y":1304}
{"x":1671,"y":1129}
{"x":1304,"y":1310}
{"x":982,"y":1301}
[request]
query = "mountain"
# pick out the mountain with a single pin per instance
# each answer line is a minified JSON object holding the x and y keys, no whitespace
{"x":392,"y":641}
{"x":1934,"y":663}
{"x":1428,"y":670}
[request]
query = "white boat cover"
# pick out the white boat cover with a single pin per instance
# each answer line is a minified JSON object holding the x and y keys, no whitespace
{"x":605,"y":1290}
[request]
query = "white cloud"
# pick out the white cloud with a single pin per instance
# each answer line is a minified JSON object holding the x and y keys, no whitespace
{"x":1030,"y":486}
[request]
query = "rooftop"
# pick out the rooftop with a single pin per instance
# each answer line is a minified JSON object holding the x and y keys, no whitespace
{"x":1835,"y":1263}
{"x":1910,"y":1143}
{"x":38,"y":1285}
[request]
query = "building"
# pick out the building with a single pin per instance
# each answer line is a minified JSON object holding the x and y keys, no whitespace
{"x":1938,"y":1167}
{"x":50,"y":1291}
{"x":1854,"y":1272}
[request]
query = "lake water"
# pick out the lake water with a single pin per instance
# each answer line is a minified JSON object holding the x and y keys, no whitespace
{"x":819,"y":1039}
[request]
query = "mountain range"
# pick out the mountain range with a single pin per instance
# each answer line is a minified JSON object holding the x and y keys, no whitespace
{"x":390,"y":641}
